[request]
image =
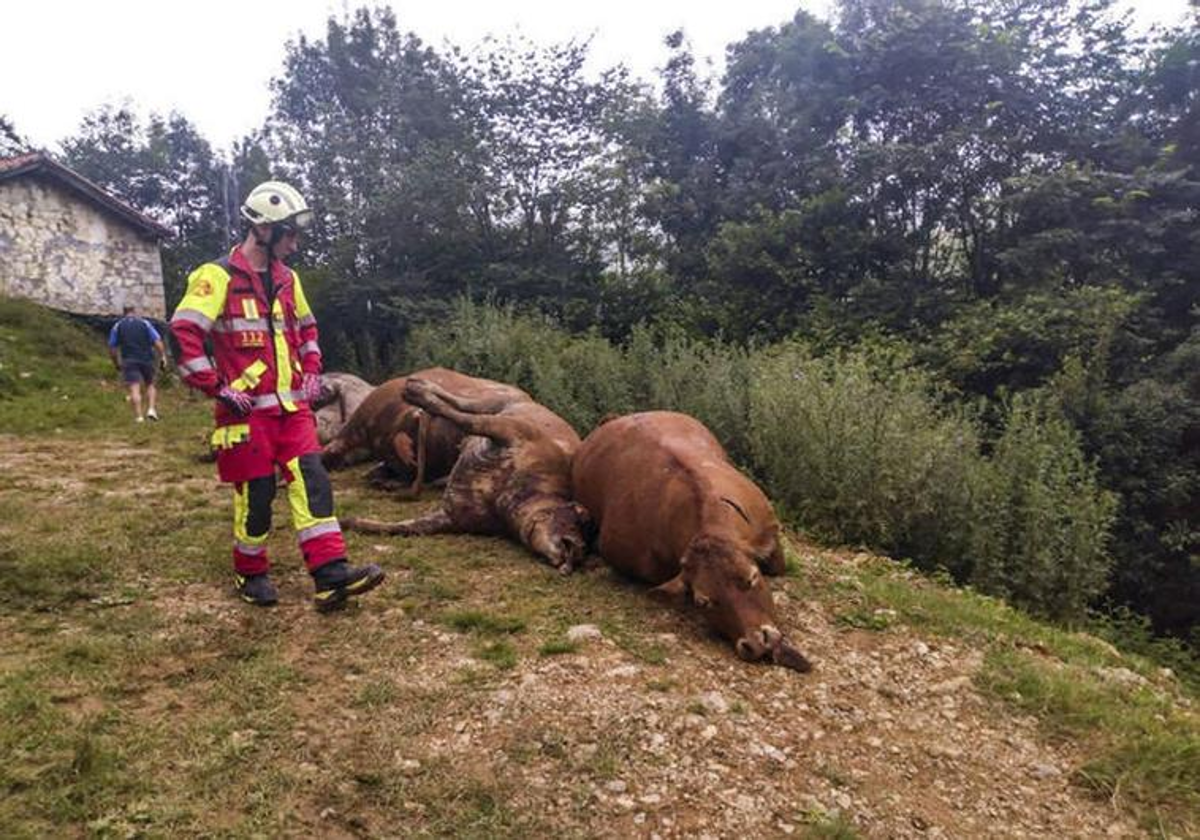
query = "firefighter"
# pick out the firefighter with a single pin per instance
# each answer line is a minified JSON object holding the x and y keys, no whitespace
{"x":263,"y":373}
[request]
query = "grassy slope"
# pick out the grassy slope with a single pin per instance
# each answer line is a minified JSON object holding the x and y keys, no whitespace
{"x":136,"y":696}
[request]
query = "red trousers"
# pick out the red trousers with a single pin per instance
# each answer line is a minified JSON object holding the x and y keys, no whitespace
{"x":249,"y":451}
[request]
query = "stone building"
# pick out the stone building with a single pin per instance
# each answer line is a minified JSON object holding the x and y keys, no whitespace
{"x":67,"y":244}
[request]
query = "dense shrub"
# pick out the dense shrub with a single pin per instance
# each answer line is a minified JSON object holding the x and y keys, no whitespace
{"x":860,"y":457}
{"x":706,"y":379}
{"x":1042,"y":521}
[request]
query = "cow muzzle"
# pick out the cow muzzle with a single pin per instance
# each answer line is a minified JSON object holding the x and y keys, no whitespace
{"x":758,"y":643}
{"x":767,"y":641}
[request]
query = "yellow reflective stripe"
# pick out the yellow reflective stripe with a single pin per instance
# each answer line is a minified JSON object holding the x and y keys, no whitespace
{"x":241,"y":513}
{"x":226,"y":436}
{"x":250,"y":377}
{"x":302,"y":515}
{"x":283,"y":357}
{"x":302,"y":307}
{"x":250,"y":308}
{"x":206,"y":290}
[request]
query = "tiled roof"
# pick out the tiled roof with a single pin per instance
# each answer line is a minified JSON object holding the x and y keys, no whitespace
{"x":40,"y":163}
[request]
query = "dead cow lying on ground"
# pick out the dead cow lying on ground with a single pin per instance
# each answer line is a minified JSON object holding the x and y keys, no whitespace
{"x":412,"y":447}
{"x":513,"y":475}
{"x":673,"y":511}
{"x":341,"y":395}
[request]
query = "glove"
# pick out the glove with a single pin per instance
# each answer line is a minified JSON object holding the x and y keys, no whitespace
{"x":239,"y":403}
{"x":311,"y":387}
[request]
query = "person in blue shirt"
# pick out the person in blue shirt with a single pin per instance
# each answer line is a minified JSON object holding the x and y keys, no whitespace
{"x":137,"y":349}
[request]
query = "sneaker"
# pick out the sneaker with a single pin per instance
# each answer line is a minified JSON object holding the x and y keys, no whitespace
{"x":338,"y":581}
{"x":152,"y":415}
{"x":139,"y":420}
{"x":257,"y":590}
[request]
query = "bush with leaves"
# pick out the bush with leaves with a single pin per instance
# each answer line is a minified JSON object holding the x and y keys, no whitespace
{"x":1042,"y":521}
{"x":706,"y":379}
{"x":862,"y":454}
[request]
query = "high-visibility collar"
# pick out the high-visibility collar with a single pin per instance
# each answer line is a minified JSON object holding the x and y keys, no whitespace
{"x":281,"y":275}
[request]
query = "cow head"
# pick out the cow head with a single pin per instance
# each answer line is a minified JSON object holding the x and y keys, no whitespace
{"x":558,"y":533}
{"x":727,"y":585}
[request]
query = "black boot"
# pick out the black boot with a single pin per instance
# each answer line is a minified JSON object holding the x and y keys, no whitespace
{"x":338,"y":581}
{"x":257,"y":590}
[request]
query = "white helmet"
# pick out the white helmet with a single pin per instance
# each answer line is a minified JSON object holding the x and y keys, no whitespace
{"x":274,"y":202}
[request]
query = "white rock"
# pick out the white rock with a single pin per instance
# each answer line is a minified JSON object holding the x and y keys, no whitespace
{"x":622,"y":671}
{"x":714,"y":702}
{"x":774,"y":753}
{"x":617,"y":786}
{"x":1044,"y":771}
{"x":584,"y":633}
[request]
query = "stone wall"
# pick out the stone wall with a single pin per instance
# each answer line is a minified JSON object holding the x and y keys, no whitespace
{"x":62,"y":251}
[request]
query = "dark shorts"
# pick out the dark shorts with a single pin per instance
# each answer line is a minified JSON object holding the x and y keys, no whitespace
{"x":132,"y":371}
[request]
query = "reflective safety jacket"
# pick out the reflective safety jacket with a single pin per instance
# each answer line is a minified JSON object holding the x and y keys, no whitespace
{"x":259,"y":346}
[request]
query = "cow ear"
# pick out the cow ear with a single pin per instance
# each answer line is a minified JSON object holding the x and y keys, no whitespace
{"x":675,"y":589}
{"x":774,"y":563}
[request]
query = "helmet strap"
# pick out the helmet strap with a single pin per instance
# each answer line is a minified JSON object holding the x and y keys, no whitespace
{"x":268,"y":244}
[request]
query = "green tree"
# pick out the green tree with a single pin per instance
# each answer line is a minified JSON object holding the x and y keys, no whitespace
{"x":11,"y":143}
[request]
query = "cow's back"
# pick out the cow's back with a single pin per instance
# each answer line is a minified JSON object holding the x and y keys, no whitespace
{"x":640,"y":478}
{"x":554,"y":427}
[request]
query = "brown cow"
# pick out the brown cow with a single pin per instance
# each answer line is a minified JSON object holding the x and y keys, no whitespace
{"x":412,"y":447}
{"x":673,"y":511}
{"x":341,"y":395}
{"x":513,"y":475}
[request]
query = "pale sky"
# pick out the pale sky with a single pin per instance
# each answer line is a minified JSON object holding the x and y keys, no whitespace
{"x":211,"y":60}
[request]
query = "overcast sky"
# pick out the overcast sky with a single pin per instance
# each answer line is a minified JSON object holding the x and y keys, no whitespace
{"x":211,"y":60}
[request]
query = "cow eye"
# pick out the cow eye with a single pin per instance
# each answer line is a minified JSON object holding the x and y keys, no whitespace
{"x":753,"y":580}
{"x":701,"y":600}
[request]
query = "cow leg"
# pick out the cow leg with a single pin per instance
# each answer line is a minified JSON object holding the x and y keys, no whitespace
{"x":437,"y":522}
{"x":402,"y":451}
{"x":503,"y":430}
{"x":492,"y":403}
